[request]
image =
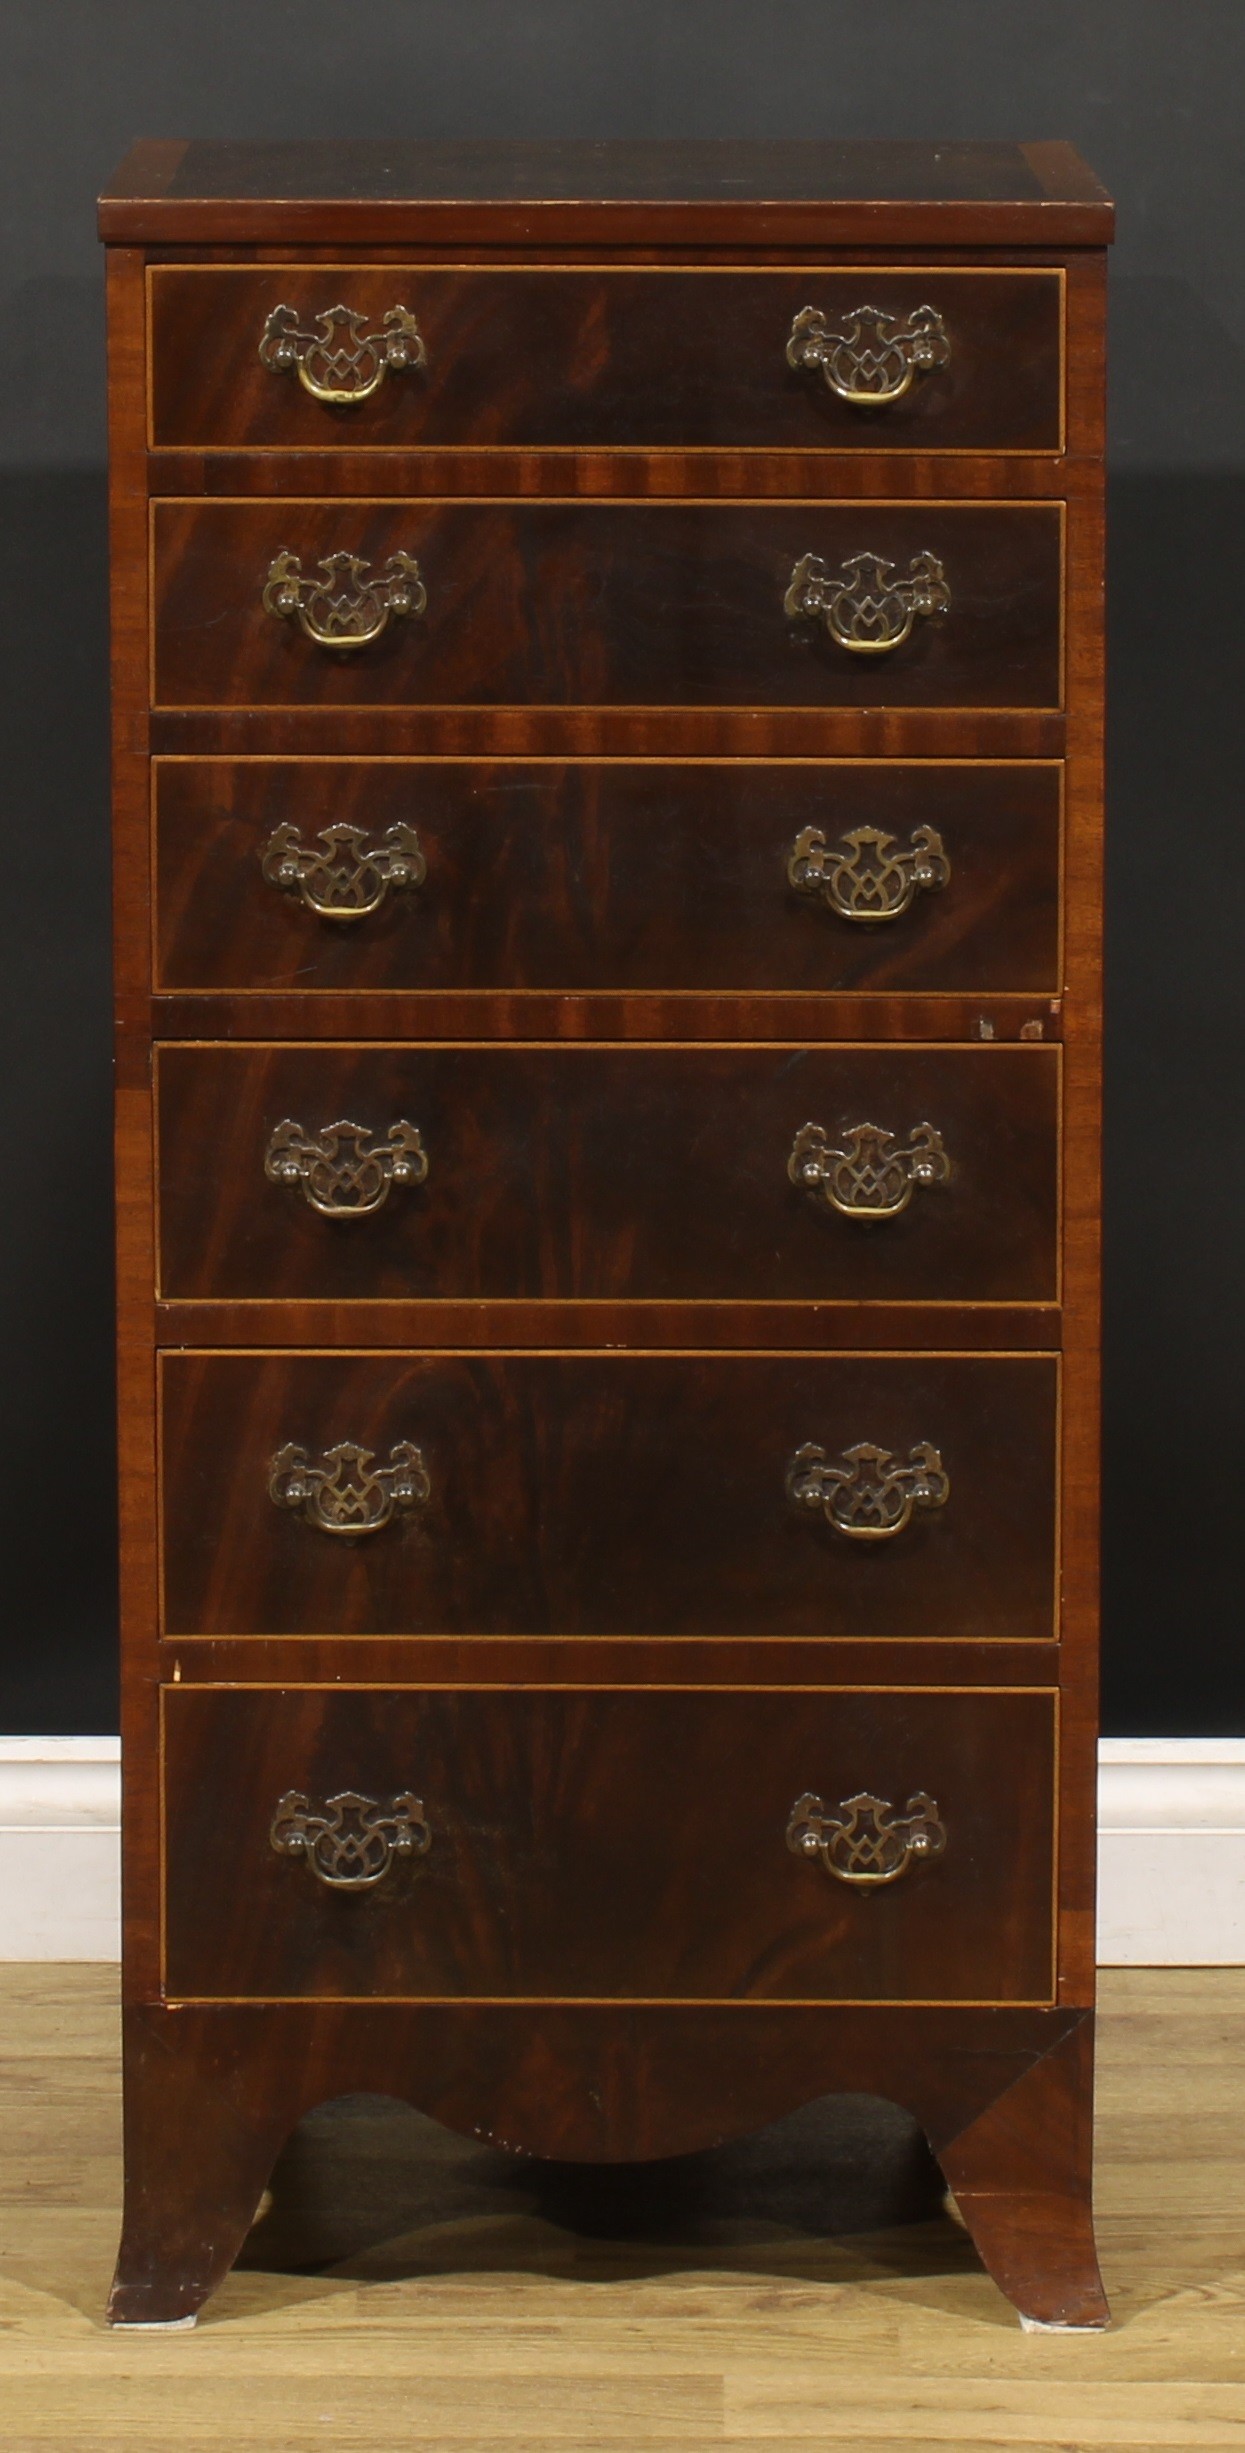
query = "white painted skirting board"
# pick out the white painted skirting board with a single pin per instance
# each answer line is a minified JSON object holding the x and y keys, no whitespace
{"x":60,"y":1830}
{"x":1171,"y":1851}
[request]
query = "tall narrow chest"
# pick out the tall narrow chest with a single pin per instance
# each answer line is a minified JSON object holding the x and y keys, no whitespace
{"x":608,"y":808}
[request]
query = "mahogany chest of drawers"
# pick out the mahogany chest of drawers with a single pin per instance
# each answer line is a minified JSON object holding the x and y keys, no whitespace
{"x":607,"y":727}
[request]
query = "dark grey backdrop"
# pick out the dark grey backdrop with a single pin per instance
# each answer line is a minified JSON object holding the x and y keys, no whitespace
{"x":1151,"y":91}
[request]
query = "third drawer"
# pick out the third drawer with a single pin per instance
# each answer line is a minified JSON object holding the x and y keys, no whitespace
{"x":902,"y":1173}
{"x":828,"y":874}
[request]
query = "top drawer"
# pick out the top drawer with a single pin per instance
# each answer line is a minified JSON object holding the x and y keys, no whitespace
{"x":412,"y":357}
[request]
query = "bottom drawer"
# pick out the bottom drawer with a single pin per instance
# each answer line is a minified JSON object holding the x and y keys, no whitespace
{"x":799,"y":1845}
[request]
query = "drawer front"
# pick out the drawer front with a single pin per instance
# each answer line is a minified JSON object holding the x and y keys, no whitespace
{"x":848,"y":875}
{"x":635,"y":358}
{"x":618,"y":604}
{"x":609,"y":1844}
{"x":604,"y":1173}
{"x":609,"y":1494}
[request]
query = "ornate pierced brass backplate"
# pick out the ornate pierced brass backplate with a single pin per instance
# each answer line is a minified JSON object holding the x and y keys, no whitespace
{"x":871,"y":357}
{"x":346,"y":1492}
{"x":341,"y":876}
{"x":862,"y":1840}
{"x":350,"y":1842}
{"x":339,"y":362}
{"x":867,"y":1493}
{"x":341,"y":1171}
{"x":341,"y":609}
{"x":872,"y":1175}
{"x":864,"y":606}
{"x":867,"y":875}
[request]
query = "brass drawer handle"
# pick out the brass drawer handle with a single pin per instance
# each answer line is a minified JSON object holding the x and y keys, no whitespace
{"x":350,"y":1842}
{"x":339,"y":362}
{"x":862,"y":1840}
{"x":869,"y":1495}
{"x":866,"y":609}
{"x":340,"y":1172}
{"x":873,"y":1175}
{"x":872,"y":358}
{"x":345,"y":1492}
{"x":342,"y":609}
{"x":344,"y":879}
{"x":867,"y":875}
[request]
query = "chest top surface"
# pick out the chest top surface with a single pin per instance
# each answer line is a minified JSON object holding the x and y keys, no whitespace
{"x":705,"y":191}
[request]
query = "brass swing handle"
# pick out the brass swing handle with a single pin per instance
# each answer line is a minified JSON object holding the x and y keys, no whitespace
{"x":350,"y":1842}
{"x":343,"y":609}
{"x":867,"y":875}
{"x":863,"y":1840}
{"x":866,"y":607}
{"x":343,"y":876}
{"x":347,"y":1491}
{"x":871,"y":358}
{"x":867,"y":1493}
{"x":342,"y":1172}
{"x":339,"y":362}
{"x":873,"y":1175}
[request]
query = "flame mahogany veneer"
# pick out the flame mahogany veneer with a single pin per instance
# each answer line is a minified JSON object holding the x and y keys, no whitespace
{"x":609,"y":1630}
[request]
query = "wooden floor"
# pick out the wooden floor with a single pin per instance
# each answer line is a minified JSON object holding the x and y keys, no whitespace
{"x":459,"y":2301}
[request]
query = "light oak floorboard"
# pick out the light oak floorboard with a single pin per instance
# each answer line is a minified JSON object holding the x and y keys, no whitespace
{"x":462,"y":2305}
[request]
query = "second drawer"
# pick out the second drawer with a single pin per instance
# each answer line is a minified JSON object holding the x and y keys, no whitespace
{"x":665,"y":603}
{"x":600,"y":1173}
